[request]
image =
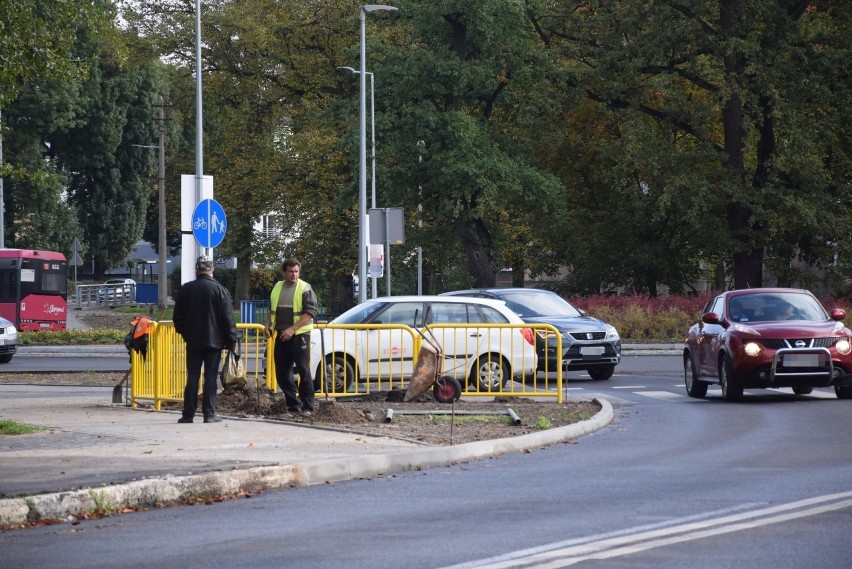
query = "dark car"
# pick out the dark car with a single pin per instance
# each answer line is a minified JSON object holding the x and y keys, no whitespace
{"x":588,"y":343}
{"x":767,"y":338}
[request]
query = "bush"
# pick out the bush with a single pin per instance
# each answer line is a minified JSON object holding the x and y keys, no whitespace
{"x":642,"y":319}
{"x":57,"y":338}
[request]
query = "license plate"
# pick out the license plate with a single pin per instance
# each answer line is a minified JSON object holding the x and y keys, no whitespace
{"x":800,"y":360}
{"x":591,"y":350}
{"x":2,"y":342}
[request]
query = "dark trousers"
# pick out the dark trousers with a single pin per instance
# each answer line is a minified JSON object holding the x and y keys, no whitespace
{"x":296,"y":350}
{"x":196,"y":358}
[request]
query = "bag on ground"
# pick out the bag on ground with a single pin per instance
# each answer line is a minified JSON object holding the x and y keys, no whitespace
{"x":233,"y":371}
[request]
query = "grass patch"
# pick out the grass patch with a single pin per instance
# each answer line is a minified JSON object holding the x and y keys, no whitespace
{"x":543,"y":424}
{"x":439,"y":418}
{"x":9,"y":427}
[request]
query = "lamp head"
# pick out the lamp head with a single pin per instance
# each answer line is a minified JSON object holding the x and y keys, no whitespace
{"x":377,"y":7}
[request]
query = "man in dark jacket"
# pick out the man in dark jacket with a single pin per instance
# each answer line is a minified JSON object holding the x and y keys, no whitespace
{"x":204,"y":316}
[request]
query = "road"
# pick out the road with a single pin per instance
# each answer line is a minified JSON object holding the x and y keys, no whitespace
{"x":674,"y":482}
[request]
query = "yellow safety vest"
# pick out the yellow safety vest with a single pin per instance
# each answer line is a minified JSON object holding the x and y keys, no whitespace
{"x":297,"y":305}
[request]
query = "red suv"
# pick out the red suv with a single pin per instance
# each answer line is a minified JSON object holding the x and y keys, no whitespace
{"x":765,"y":338}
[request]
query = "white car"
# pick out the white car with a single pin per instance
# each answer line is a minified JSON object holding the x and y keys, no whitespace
{"x":8,"y":340}
{"x":367,"y":347}
{"x":117,"y":290}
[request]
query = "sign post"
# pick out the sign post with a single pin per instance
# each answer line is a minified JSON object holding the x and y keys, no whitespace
{"x":76,"y":261}
{"x":387,"y":227}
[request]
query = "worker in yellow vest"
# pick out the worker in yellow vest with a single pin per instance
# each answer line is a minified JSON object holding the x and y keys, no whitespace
{"x":292,"y":309}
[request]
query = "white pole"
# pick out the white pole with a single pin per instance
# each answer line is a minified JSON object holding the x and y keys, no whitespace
{"x":373,"y":180}
{"x":199,"y":139}
{"x":362,"y":170}
{"x":363,"y":239}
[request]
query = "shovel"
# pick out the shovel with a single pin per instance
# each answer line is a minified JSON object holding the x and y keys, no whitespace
{"x":116,"y":391}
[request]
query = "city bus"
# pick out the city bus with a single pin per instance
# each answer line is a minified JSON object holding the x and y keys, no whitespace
{"x":34,"y":289}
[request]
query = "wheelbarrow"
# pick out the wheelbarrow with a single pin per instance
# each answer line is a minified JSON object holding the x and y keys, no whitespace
{"x":427,"y":373}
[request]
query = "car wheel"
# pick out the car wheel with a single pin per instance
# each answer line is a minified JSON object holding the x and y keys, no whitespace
{"x":446,"y":389}
{"x":5,"y":359}
{"x":489,"y":373}
{"x":802,"y":390}
{"x":603,"y":372}
{"x":694,"y":387}
{"x":731,"y":388}
{"x":339,"y":374}
{"x":843,"y":392}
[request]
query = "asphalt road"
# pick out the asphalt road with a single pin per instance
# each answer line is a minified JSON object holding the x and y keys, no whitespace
{"x":674,"y":482}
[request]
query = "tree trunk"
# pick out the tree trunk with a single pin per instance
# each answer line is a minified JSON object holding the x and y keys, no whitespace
{"x":518,"y":273}
{"x":746,"y":253}
{"x":476,"y":242}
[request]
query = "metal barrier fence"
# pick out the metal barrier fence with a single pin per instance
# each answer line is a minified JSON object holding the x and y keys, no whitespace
{"x":102,"y":295}
{"x":161,"y":375}
{"x":486,"y":359}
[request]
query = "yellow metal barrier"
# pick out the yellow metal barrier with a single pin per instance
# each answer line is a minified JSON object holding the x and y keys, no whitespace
{"x":360,"y":359}
{"x":366,"y":358}
{"x":161,"y":376}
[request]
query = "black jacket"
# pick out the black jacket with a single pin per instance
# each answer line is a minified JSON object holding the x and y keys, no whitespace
{"x":204,"y":314}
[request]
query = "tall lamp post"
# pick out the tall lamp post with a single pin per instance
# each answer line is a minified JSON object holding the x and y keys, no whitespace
{"x":362,"y":164}
{"x":354,"y":71}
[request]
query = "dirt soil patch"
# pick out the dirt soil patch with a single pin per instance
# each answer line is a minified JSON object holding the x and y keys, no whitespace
{"x":382,"y":414}
{"x":425,"y":420}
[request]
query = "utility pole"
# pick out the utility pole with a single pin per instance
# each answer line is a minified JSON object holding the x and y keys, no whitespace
{"x":163,"y":273}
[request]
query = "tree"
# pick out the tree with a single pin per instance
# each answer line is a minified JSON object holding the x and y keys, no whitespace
{"x":457,"y":134}
{"x":726,"y":77}
{"x":37,"y":40}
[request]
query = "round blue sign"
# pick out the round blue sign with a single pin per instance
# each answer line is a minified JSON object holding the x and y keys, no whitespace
{"x":209,"y":223}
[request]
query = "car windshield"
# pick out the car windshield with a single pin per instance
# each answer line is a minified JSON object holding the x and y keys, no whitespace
{"x":539,"y":304}
{"x":770,"y":307}
{"x":359,"y":313}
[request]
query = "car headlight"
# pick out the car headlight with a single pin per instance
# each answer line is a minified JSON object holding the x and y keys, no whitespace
{"x":744,"y":329}
{"x":843,"y":347}
{"x":612,"y":334}
{"x":753,"y":349}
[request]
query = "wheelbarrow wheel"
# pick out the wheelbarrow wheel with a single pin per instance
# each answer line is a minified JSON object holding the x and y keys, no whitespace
{"x":446,"y":389}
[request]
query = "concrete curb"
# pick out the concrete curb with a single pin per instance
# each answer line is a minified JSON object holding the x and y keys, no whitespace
{"x":173,"y":489}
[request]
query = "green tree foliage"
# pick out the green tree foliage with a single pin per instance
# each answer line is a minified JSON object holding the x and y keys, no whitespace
{"x":636,"y":144}
{"x":38,"y":37}
{"x":456,"y":134}
{"x":727,"y":117}
{"x":74,"y":170}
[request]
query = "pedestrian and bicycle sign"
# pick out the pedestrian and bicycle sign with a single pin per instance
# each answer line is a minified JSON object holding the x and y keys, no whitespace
{"x":209,"y":223}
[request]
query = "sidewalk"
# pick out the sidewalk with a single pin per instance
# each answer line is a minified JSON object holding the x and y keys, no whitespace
{"x":94,"y":453}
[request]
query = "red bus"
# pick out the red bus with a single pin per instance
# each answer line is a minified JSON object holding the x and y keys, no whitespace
{"x":33,"y":289}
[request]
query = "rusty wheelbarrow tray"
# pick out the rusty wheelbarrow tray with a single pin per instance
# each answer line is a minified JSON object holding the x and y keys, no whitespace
{"x":427,"y":373}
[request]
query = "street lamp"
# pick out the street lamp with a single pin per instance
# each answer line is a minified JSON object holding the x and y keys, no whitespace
{"x":362,"y":163}
{"x":373,"y":135}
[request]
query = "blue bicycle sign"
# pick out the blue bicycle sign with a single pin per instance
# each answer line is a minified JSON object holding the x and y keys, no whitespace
{"x":209,"y":223}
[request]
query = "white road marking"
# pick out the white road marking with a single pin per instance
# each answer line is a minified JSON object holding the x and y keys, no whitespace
{"x":629,"y":386}
{"x":634,"y":540}
{"x":664,"y":395}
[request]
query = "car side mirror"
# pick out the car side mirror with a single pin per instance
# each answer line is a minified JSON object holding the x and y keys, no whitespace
{"x":710,"y":318}
{"x":838,"y":314}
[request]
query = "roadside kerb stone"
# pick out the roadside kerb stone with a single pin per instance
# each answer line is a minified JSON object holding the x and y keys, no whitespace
{"x":174,"y":489}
